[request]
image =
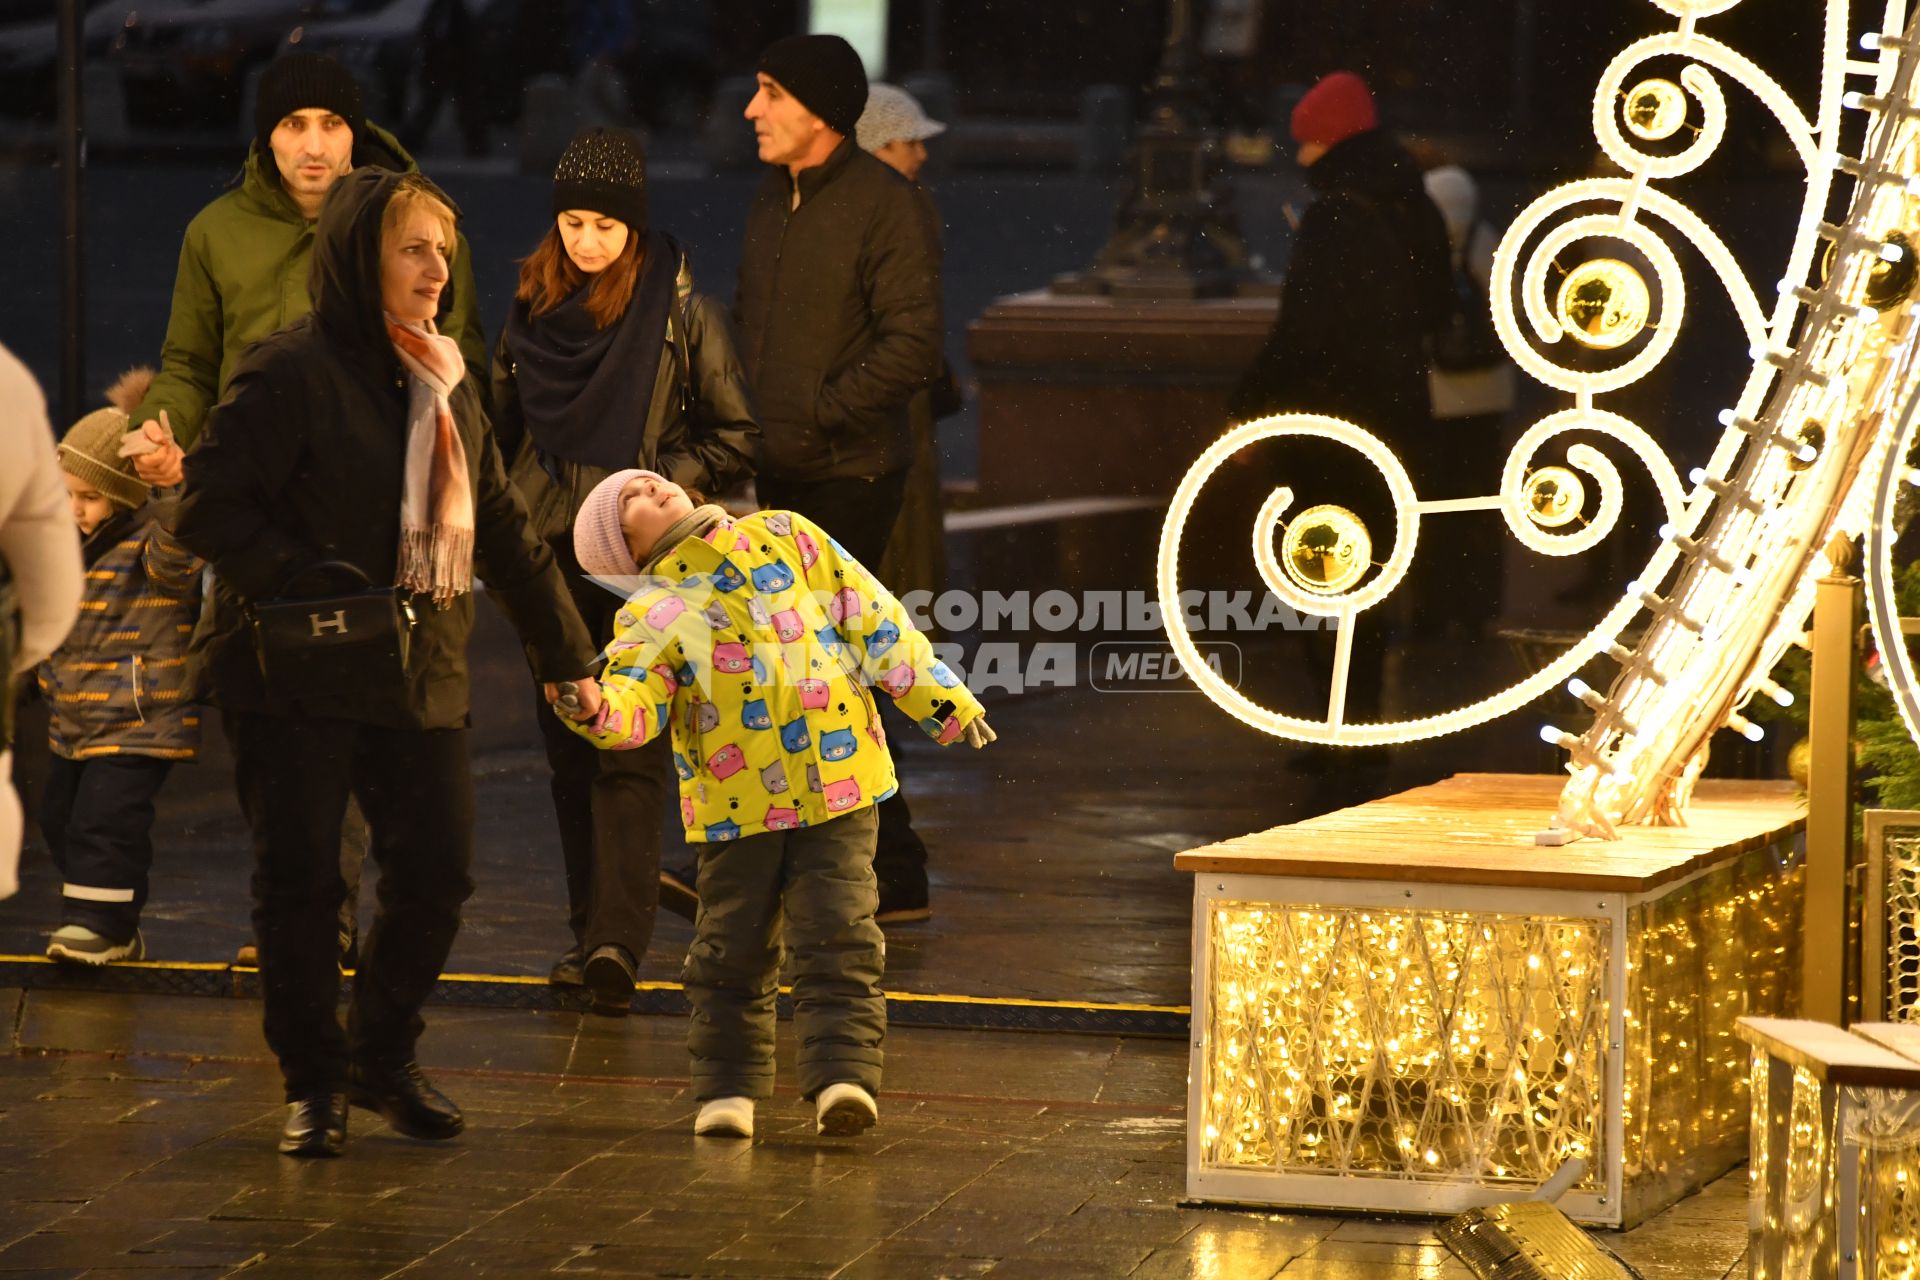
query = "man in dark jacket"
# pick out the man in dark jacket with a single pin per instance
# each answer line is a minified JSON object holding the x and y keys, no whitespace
{"x":838,"y":311}
{"x":305,"y":460}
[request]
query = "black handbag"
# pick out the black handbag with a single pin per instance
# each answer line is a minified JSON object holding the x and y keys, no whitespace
{"x":319,"y":645}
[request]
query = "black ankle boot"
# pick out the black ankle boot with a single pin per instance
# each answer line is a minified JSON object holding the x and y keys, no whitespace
{"x":316,"y":1126}
{"x":403,"y":1094}
{"x":609,"y":975}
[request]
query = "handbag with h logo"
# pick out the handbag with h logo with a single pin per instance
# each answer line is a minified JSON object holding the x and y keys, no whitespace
{"x":318,"y":645}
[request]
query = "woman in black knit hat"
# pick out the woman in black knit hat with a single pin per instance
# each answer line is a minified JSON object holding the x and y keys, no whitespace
{"x":610,"y":360}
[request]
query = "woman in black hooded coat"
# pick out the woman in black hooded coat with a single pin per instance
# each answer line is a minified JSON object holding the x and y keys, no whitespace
{"x":306,"y":460}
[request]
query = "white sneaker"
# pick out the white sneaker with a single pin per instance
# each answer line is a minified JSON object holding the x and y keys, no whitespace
{"x":724,"y":1118}
{"x":844,"y":1109}
{"x":77,"y":944}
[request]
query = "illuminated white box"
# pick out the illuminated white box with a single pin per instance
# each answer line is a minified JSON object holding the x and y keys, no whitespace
{"x":1835,"y":1169}
{"x":1407,"y":1006}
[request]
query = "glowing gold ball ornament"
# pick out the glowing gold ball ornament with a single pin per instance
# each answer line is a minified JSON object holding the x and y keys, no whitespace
{"x":1888,"y":283}
{"x":1814,"y":436}
{"x":1603,"y":303}
{"x":1326,"y":550}
{"x":1554,"y":497}
{"x":1655,"y":110}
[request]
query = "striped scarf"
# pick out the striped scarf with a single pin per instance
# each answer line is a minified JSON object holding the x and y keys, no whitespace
{"x":436,"y":498}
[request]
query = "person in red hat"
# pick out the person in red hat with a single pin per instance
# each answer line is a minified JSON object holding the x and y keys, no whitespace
{"x":1368,"y":281}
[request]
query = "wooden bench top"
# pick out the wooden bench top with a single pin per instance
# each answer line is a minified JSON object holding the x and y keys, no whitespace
{"x":1831,"y":1054}
{"x":1478,"y":828}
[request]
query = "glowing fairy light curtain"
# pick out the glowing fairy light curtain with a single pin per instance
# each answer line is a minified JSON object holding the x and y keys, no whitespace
{"x":1815,"y":443}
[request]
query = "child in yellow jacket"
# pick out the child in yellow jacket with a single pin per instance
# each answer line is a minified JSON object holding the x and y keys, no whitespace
{"x":759,"y":642}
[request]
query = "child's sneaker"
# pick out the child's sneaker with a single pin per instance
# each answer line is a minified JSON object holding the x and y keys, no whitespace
{"x":845,"y":1108}
{"x":724,"y":1118}
{"x":77,"y":944}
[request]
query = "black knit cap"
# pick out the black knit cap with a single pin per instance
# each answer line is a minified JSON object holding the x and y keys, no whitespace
{"x":302,"y":82}
{"x":824,"y":73}
{"x":604,"y":170}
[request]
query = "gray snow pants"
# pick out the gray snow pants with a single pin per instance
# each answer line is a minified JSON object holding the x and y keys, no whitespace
{"x":823,"y":876}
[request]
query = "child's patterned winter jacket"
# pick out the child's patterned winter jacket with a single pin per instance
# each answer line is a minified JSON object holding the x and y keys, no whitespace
{"x":760,"y":643}
{"x":119,"y":685}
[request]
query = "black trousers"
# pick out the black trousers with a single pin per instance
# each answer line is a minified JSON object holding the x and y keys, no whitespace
{"x":294,"y":774}
{"x":608,"y":804}
{"x":860,"y":512}
{"x":97,"y":816}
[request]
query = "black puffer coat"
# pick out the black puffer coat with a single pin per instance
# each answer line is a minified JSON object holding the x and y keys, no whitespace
{"x":1368,"y":281}
{"x":303,"y":460}
{"x":838,"y":313}
{"x":699,"y":432}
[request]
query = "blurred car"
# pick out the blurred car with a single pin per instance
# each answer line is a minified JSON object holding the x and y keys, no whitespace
{"x":188,"y":67}
{"x":29,"y":49}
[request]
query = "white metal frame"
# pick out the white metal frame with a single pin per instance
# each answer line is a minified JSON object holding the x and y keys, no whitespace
{"x":1399,"y":1195}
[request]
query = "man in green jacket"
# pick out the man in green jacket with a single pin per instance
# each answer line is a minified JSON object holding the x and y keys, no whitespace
{"x":243,"y":262}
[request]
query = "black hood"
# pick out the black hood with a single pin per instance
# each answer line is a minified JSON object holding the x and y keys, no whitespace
{"x":344,"y":278}
{"x":1372,"y":163}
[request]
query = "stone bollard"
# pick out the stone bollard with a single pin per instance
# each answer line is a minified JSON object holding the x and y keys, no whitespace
{"x":1106,"y":128}
{"x":550,"y":118}
{"x":934,"y":92}
{"x":727,"y":137}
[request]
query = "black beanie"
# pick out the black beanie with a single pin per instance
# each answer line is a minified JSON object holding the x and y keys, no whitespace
{"x":301,"y":82}
{"x":604,"y":170}
{"x":824,"y":73}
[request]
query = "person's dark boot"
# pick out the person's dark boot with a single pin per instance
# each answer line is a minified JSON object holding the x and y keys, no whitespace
{"x":566,"y":971}
{"x":316,"y":1126}
{"x":403,"y":1094}
{"x":609,"y":974}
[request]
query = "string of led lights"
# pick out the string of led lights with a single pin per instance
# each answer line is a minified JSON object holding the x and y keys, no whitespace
{"x":1804,"y":454}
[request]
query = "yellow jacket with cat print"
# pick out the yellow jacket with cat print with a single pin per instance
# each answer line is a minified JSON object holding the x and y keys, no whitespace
{"x":761,"y":643}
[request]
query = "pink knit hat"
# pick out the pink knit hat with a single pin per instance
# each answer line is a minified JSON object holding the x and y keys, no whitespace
{"x":599,"y":544}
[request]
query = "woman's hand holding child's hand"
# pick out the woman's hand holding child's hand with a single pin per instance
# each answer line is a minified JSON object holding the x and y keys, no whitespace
{"x":574,"y":699}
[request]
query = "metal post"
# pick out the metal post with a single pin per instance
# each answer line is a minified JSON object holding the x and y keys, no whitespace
{"x":1836,"y":630}
{"x":73,"y":159}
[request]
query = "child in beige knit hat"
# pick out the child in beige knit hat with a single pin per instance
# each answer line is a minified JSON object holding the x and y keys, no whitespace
{"x":118,"y":690}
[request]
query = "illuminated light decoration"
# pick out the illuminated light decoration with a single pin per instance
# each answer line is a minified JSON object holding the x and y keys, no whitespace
{"x":1811,"y":436}
{"x":1655,"y":110}
{"x":1326,"y":550}
{"x":1603,"y":303}
{"x":1891,"y":278}
{"x":1554,"y":497}
{"x":1834,"y":1170}
{"x":1349,"y":607}
{"x":1420,"y":1047}
{"x":1803,"y":455}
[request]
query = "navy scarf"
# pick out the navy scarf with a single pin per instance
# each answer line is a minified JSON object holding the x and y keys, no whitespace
{"x":585,"y":391}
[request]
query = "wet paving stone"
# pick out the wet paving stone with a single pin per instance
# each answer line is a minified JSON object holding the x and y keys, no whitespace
{"x":1041,"y":1174}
